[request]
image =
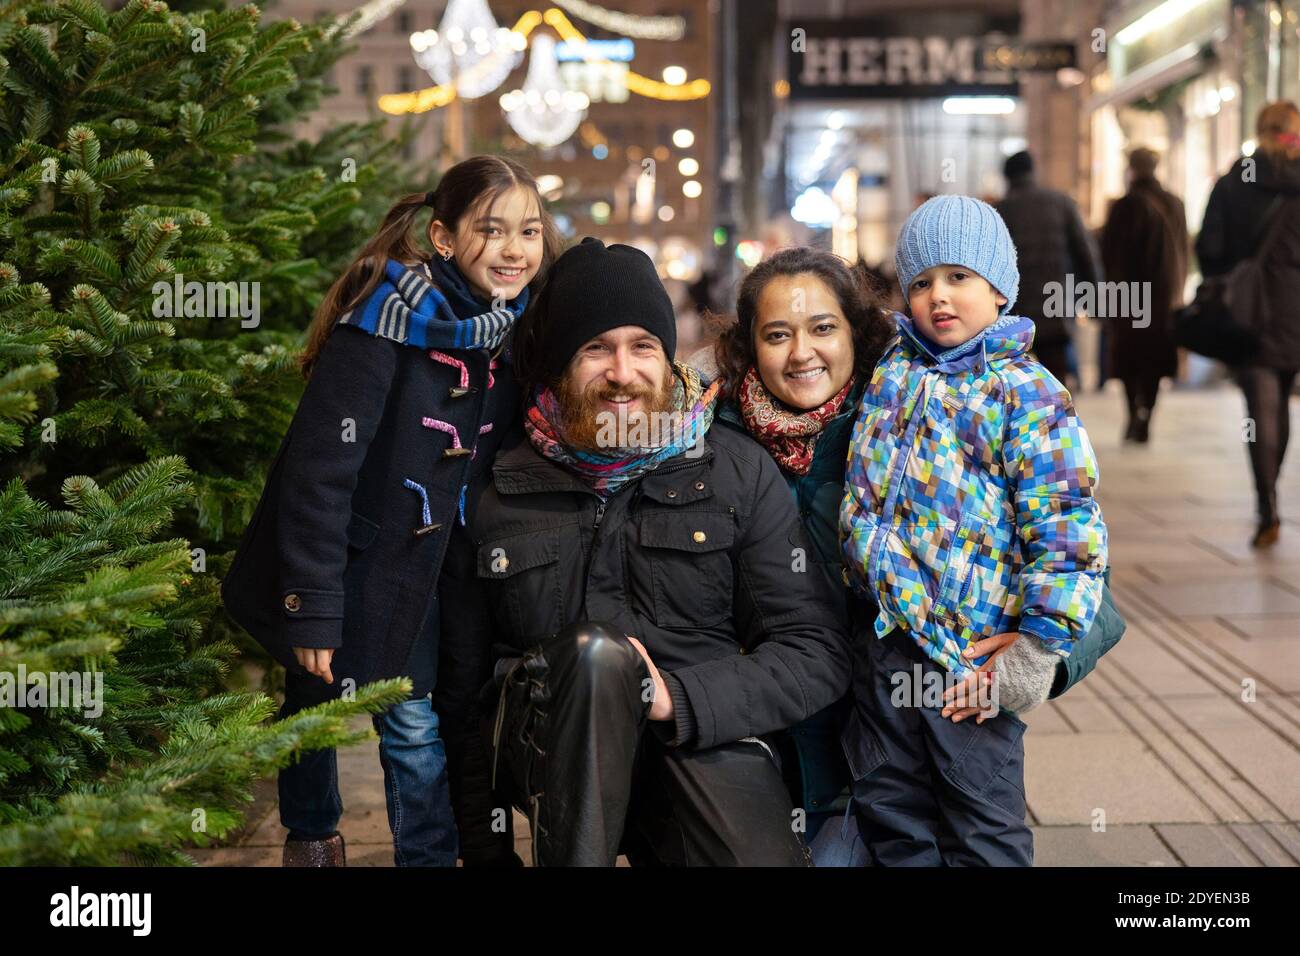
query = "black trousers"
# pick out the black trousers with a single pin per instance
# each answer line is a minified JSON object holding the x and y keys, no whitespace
{"x":574,"y":750}
{"x":929,"y":792}
{"x":1268,"y":397}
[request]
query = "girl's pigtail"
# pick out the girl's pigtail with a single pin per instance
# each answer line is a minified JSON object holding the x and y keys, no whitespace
{"x":359,"y":279}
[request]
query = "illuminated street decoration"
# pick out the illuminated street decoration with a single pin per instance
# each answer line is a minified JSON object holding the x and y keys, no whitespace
{"x":468,"y":49}
{"x":628,"y":24}
{"x":433,"y":97}
{"x":544,"y":112}
{"x":844,"y":231}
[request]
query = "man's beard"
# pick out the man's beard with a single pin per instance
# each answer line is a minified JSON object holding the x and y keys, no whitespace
{"x":589,"y":425}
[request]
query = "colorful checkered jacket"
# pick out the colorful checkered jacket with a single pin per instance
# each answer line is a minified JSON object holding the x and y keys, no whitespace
{"x":968,"y":507}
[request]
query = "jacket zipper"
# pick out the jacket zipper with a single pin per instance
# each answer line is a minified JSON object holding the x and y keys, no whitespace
{"x":890,"y":504}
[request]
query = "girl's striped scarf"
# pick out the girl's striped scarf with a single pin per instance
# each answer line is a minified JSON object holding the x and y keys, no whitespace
{"x":608,"y":470}
{"x":789,"y":437}
{"x":408,"y":308}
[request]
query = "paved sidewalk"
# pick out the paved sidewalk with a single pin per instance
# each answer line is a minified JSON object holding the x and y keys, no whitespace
{"x":1183,"y":747}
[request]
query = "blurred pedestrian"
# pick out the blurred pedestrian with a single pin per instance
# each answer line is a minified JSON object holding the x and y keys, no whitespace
{"x":1051,"y":243}
{"x":1145,"y":241}
{"x":1241,"y":208}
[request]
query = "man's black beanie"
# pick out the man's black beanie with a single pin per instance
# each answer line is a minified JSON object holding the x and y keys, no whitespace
{"x":593,"y":288}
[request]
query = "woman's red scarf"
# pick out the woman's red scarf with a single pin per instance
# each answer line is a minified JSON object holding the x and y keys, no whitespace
{"x":788,"y":436}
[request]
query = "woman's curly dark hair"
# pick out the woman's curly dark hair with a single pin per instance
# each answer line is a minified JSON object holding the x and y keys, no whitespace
{"x":857,"y":292}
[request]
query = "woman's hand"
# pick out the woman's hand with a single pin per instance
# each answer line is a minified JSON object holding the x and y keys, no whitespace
{"x":661,"y":704}
{"x":316,"y":660}
{"x":957,"y":697}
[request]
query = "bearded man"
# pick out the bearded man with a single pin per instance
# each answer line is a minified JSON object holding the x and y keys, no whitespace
{"x":651,"y":608}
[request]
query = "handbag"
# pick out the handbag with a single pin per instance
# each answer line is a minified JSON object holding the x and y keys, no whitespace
{"x":1230,"y":312}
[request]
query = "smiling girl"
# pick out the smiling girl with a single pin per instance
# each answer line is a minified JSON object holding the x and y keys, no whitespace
{"x":409,"y":392}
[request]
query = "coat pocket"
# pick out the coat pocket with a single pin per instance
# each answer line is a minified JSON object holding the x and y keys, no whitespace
{"x":961,"y":562}
{"x":361,"y":532}
{"x":690,"y":567}
{"x":862,"y":748}
{"x":991,"y":764}
{"x":526,"y":567}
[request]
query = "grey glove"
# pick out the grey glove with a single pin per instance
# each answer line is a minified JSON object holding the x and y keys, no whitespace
{"x":1025,"y":672}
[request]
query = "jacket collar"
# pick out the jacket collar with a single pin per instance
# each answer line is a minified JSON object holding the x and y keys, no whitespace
{"x":1008,"y":337}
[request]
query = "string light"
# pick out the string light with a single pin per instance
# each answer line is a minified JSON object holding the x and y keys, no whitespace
{"x":628,"y":24}
{"x":420,"y":101}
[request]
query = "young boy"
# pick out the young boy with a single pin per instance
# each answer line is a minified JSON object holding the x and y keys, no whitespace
{"x":968,"y":514}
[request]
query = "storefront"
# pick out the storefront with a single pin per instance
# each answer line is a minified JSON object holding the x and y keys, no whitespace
{"x":1172,"y":83}
{"x":881,"y":113}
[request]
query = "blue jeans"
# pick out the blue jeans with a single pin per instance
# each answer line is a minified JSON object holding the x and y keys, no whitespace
{"x":415,"y":784}
{"x":835,"y":841}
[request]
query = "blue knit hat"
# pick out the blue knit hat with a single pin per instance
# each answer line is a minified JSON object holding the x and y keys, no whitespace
{"x":958,"y":231}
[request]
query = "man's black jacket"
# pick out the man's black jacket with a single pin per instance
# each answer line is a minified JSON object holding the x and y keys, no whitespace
{"x":703,"y":560}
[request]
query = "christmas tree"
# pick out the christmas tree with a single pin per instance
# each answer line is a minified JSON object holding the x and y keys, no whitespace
{"x":162,"y":243}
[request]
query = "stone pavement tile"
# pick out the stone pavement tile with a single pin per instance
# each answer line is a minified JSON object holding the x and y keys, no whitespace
{"x":1116,"y":773}
{"x":1166,"y":550}
{"x":1270,"y":842}
{"x":366,"y":826}
{"x":1087,"y":711}
{"x":1266,"y":649}
{"x":1200,"y":844}
{"x":1268,"y":764}
{"x":1049,"y":718}
{"x":1250,"y":597}
{"x":1115,"y":846}
{"x":267,"y":833}
{"x":1195,"y":569}
{"x":1235,"y":543}
{"x":1143,"y":664}
{"x":238,"y":856}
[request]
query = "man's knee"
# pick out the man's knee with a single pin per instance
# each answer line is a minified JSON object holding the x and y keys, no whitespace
{"x":597,"y":652}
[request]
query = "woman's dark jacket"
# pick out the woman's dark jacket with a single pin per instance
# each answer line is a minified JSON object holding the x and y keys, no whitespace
{"x":1234,"y":227}
{"x":339,"y":553}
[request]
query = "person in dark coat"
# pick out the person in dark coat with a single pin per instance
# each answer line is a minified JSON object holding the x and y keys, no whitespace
{"x":410,"y":393}
{"x":1145,"y":241}
{"x":1241,"y":209}
{"x":652,"y":623}
{"x":1051,"y":243}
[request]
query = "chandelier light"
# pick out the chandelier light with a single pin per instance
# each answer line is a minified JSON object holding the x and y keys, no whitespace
{"x":543,"y":112}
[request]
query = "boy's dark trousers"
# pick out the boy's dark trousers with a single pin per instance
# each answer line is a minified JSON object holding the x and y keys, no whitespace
{"x":929,"y":792}
{"x":577,"y":753}
{"x":415,"y":779}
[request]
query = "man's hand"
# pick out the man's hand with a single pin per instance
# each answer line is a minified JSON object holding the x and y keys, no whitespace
{"x":958,"y":698}
{"x":317,"y":661}
{"x":661,"y":704}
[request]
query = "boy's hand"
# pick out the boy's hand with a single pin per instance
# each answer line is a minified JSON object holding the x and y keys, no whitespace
{"x":661,"y":704}
{"x":957,"y":698}
{"x":316,"y":660}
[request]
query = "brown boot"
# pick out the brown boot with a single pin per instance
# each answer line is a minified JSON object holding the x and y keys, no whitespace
{"x":1267,"y":534}
{"x":327,"y":852}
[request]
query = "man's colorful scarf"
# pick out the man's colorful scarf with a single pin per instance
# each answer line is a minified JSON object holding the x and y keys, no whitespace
{"x":609,"y":469}
{"x":788,"y":436}
{"x":408,"y":307}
